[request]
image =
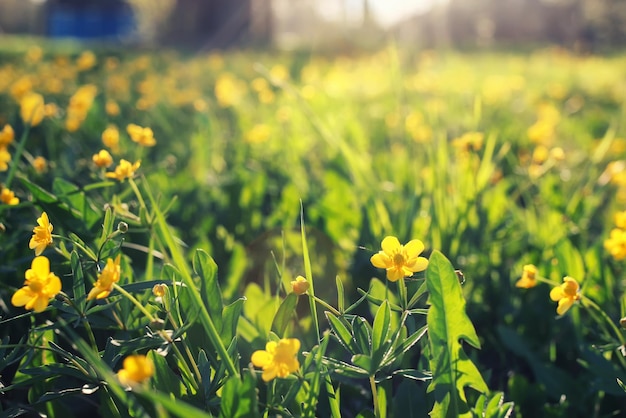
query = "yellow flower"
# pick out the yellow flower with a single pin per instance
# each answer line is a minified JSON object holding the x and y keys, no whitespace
{"x":50,"y":110}
{"x":529,"y":277}
{"x":86,"y":60}
{"x":278,"y":359}
{"x":300,"y":285}
{"x":400,"y":260}
{"x":142,"y":136}
{"x":32,"y":108}
{"x":104,"y":285}
{"x":40,"y":286}
{"x":8,"y":197}
{"x":6,"y":136}
{"x":566,"y":294}
{"x":136,"y":369}
{"x":124,"y":170}
{"x":42,"y":234}
{"x":40,"y":164}
{"x":159,"y":290}
{"x":21,"y":87}
{"x":112,"y":108}
{"x":616,"y":244}
{"x":5,"y":159}
{"x":102,"y":159}
{"x":111,"y":138}
{"x":258,"y":134}
{"x":620,"y":219}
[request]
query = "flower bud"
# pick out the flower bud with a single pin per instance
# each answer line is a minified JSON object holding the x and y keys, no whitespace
{"x":122,"y":227}
{"x":300,"y":285}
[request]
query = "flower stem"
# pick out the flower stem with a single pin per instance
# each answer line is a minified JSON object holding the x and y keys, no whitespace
{"x":610,"y":322}
{"x":134,"y":301}
{"x":18,"y":154}
{"x":375,"y":397}
{"x":326,"y":305}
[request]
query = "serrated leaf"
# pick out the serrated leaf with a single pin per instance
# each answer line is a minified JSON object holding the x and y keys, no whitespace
{"x":285,"y":313}
{"x":448,"y":323}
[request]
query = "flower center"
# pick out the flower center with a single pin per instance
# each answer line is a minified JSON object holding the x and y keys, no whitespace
{"x":36,"y":286}
{"x":398,"y":259}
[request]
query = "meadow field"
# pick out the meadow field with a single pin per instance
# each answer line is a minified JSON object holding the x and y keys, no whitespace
{"x":262,"y":233}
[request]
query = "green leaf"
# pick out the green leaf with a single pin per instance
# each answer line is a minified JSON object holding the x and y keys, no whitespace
{"x":76,"y":199}
{"x":404,"y":346}
{"x":230,"y":319}
{"x":164,"y":378}
{"x":341,"y":302}
{"x":570,"y":260}
{"x":362,"y":335}
{"x":204,"y":266}
{"x":380,"y":331}
{"x":364,"y":362}
{"x":78,"y":285}
{"x":285,"y":313}
{"x":239,"y":398}
{"x":343,"y":334}
{"x":447,"y":325}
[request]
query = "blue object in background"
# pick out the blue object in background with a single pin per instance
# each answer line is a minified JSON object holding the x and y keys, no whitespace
{"x":90,"y":23}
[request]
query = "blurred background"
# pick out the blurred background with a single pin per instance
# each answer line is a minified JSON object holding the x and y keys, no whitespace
{"x":208,"y":24}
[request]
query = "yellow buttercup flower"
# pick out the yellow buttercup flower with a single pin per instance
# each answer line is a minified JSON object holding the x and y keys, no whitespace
{"x":5,"y":159}
{"x":40,"y":286}
{"x":124,"y":170}
{"x":400,"y":260}
{"x":40,"y":164}
{"x":86,"y":60}
{"x":566,"y":294}
{"x":620,"y":219}
{"x":300,"y":285}
{"x":529,"y":277}
{"x":616,"y":244}
{"x":42,"y":234}
{"x":7,"y":134}
{"x":32,"y":108}
{"x":112,"y":108}
{"x":142,"y":136}
{"x":106,"y":279}
{"x":278,"y":359}
{"x":159,"y":290}
{"x":136,"y":368}
{"x":102,"y":159}
{"x":8,"y":197}
{"x":111,"y":138}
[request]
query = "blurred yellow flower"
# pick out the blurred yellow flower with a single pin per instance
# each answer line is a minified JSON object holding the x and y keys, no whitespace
{"x":79,"y":106}
{"x":540,"y":154}
{"x":228,"y":90}
{"x":136,"y":369}
{"x":620,"y":219}
{"x":34,"y":54}
{"x":5,"y":159}
{"x":40,"y":164}
{"x":8,"y":197}
{"x":565,"y":294}
{"x":469,"y":141}
{"x":112,"y":108}
{"x":21,"y":87}
{"x":6,"y":136}
{"x":86,"y":61}
{"x":529,"y":277}
{"x":111,"y":138}
{"x":50,"y":110}
{"x":258,"y":134}
{"x":124,"y":170}
{"x":32,"y":108}
{"x":142,"y":136}
{"x":400,"y":260}
{"x":279,"y":359}
{"x":42,"y":234}
{"x":300,"y":285}
{"x":102,"y":159}
{"x":40,"y":286}
{"x":616,"y":244}
{"x":110,"y":275}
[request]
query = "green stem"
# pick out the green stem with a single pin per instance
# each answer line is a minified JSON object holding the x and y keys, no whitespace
{"x":87,"y":251}
{"x":375,"y":397}
{"x":142,"y":203}
{"x":610,"y":322}
{"x":18,"y":154}
{"x":134,"y":301}
{"x":402,"y":291}
{"x":325,"y":304}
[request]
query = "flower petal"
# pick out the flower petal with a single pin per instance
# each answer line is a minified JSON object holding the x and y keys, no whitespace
{"x":269,"y":373}
{"x":54,"y":285}
{"x":414,"y":248}
{"x":557,"y":294}
{"x":22,"y":296}
{"x":564,"y":305}
{"x":394,"y":274}
{"x":41,"y":266}
{"x":418,"y":264}
{"x":40,"y":303}
{"x":380,"y":260}
{"x":390,"y":244}
{"x":261,"y":358}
